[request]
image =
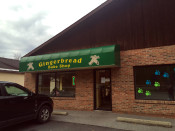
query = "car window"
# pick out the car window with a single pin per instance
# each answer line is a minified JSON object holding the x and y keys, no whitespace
{"x":15,"y":91}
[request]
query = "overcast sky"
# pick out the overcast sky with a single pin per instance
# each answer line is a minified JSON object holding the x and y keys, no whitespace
{"x":26,"y":24}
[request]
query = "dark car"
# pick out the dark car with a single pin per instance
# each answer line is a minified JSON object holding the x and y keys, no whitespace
{"x":18,"y":104}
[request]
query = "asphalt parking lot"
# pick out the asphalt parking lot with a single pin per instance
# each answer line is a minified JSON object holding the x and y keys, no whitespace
{"x":56,"y":126}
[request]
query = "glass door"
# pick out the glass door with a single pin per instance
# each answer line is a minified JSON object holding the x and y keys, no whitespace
{"x":102,"y":91}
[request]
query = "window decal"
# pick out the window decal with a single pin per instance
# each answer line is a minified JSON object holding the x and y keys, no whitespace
{"x":140,"y":90}
{"x":157,"y":84}
{"x":166,"y":75}
{"x":73,"y":80}
{"x":148,"y":93}
{"x":148,"y":82}
{"x":157,"y":72}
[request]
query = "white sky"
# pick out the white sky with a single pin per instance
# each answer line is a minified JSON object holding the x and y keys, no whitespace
{"x":26,"y":24}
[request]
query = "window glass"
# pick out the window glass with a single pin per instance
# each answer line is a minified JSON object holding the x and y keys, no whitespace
{"x":15,"y":91}
{"x":155,"y":82}
{"x":46,"y":83}
{"x":65,"y":84}
{"x":57,"y":84}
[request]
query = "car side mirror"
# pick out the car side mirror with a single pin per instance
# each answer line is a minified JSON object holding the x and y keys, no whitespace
{"x":30,"y":94}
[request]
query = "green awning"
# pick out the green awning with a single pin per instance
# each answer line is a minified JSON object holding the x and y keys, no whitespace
{"x":85,"y":58}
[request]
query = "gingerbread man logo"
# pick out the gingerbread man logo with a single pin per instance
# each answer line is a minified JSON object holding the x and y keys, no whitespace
{"x":30,"y":66}
{"x":94,"y":60}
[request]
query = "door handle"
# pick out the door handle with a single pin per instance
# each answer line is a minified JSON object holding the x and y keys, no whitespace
{"x":25,"y":98}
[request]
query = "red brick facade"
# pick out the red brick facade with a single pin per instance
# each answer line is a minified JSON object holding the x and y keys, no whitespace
{"x":30,"y":81}
{"x":123,"y":95}
{"x":84,"y":93}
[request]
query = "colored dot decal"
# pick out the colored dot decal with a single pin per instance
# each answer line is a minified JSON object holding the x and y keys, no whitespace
{"x":140,"y":90}
{"x":157,"y":72}
{"x":148,"y":82}
{"x":157,"y":84}
{"x":166,"y":75}
{"x":148,"y":93}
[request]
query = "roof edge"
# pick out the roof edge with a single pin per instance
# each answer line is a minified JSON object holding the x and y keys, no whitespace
{"x":69,"y":27}
{"x":5,"y":69}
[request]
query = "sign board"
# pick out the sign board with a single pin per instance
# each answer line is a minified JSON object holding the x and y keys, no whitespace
{"x":101,"y":56}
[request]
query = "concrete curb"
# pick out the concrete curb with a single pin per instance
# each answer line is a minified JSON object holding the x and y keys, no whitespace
{"x":145,"y":122}
{"x":59,"y":113}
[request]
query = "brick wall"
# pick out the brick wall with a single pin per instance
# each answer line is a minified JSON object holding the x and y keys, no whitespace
{"x":30,"y":81}
{"x":84,"y":93}
{"x":123,"y":99}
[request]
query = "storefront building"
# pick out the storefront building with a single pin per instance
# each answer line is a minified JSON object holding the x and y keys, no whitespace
{"x":119,"y":57}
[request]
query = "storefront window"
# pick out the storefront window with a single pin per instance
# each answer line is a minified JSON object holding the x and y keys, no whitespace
{"x":64,"y":85}
{"x":46,"y":83}
{"x":57,"y":84}
{"x":155,"y":82}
